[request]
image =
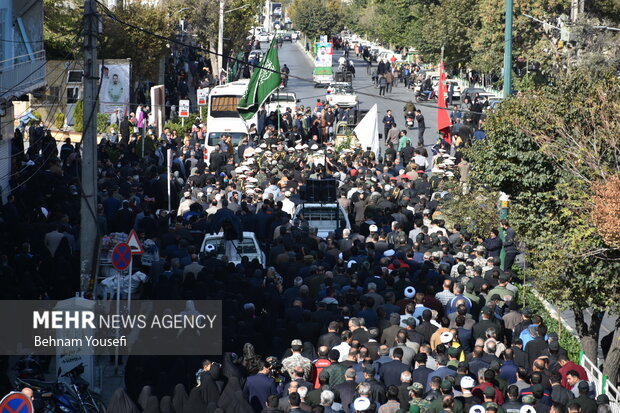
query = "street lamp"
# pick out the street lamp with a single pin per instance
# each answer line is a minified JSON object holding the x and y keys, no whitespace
{"x":220,"y":36}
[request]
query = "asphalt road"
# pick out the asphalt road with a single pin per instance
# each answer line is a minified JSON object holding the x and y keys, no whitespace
{"x":301,"y":67}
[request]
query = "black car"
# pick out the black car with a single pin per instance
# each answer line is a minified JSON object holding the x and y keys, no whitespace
{"x":287,"y":37}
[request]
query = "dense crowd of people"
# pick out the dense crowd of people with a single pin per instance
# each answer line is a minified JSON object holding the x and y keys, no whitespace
{"x":401,"y":311}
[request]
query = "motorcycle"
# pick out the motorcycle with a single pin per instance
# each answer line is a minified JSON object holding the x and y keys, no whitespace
{"x":409,"y":120}
{"x":29,"y":367}
{"x":63,"y":397}
{"x":423,"y":96}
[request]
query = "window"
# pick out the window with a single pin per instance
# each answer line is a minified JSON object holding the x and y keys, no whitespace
{"x":224,"y":106}
{"x":282,"y":98}
{"x":216,"y":137}
{"x":73,"y":94}
{"x":247,"y":246}
{"x":325,"y":214}
{"x":75,"y":76}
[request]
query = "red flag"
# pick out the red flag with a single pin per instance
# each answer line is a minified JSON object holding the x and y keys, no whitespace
{"x":443,"y":118}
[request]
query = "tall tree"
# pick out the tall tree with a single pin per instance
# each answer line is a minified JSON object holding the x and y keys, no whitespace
{"x":549,"y":150}
{"x":120,"y":41}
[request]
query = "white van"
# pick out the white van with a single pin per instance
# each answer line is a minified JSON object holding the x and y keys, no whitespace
{"x":223,"y":117}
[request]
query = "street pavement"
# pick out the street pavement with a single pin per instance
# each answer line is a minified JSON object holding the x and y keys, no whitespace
{"x":301,"y":66}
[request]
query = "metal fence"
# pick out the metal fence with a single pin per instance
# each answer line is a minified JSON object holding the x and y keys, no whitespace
{"x":601,"y":382}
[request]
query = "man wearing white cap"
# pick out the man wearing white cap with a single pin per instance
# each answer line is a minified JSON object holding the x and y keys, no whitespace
{"x":185,"y":203}
{"x":288,"y":206}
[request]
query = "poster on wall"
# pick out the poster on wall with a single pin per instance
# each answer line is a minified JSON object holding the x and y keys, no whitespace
{"x":114,"y":93}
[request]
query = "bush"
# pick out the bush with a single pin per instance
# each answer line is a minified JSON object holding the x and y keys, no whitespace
{"x":59,"y":120}
{"x":181,"y":130}
{"x":102,"y":122}
{"x":35,"y":122}
{"x":78,"y":116}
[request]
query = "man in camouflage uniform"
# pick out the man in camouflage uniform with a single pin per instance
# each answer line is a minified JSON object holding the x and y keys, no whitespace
{"x":416,"y":392}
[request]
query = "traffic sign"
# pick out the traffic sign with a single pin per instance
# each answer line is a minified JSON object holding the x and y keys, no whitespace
{"x":184,"y":108}
{"x":121,"y":256}
{"x":202,"y":96}
{"x":134,"y":243}
{"x":16,"y":402}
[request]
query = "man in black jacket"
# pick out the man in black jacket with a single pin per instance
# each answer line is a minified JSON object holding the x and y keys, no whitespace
{"x":217,"y":159}
{"x":509,"y":245}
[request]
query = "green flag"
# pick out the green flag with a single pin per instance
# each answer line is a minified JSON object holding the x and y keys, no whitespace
{"x":263,"y":82}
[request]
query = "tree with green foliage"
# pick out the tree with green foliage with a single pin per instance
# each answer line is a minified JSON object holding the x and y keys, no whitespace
{"x":62,"y":28}
{"x":121,"y":42}
{"x":203,"y":19}
{"x":547,"y":149}
{"x":452,"y":24}
{"x":314,"y":18}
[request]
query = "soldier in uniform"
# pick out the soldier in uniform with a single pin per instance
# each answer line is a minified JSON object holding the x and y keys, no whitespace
{"x":416,"y":392}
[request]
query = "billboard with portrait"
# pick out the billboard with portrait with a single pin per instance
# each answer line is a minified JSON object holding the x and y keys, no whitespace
{"x":114,"y":92}
{"x":324,"y":52}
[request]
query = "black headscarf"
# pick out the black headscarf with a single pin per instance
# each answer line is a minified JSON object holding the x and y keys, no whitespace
{"x":232,"y":386}
{"x":229,"y":367}
{"x":239,"y":404}
{"x":152,"y":405}
{"x":208,"y":389}
{"x":179,"y":399}
{"x":144,"y":396}
{"x":121,"y":403}
{"x":165,"y":405}
{"x":195,"y":404}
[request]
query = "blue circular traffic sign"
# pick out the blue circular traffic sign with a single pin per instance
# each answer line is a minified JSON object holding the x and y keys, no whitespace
{"x":16,"y":402}
{"x":121,"y":256}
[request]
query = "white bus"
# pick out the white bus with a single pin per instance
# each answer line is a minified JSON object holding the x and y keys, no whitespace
{"x":222,"y":115}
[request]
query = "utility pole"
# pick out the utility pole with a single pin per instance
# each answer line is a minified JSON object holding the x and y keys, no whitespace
{"x":88,"y":225}
{"x":576,"y":9}
{"x":220,"y":42}
{"x":442,"y":50}
{"x":508,"y":50}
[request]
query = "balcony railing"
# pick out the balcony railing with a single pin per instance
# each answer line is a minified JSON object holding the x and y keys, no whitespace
{"x":17,"y":79}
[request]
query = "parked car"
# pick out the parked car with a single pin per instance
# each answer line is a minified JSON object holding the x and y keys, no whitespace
{"x":286,"y":100}
{"x":258,"y":54}
{"x":457,"y":88}
{"x":471,"y":91}
{"x":325,"y":218}
{"x":264,"y":37}
{"x":235,"y":249}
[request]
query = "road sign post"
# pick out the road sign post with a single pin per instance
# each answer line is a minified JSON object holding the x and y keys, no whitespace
{"x":201,"y":95}
{"x":183,"y":110}
{"x":136,"y":249}
{"x":121,"y":260}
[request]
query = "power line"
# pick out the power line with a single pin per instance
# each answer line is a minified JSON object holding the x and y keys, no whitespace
{"x":36,"y":70}
{"x":112,"y":16}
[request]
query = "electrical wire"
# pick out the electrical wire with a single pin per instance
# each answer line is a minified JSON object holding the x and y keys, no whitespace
{"x":50,"y":116}
{"x":55,"y":107}
{"x":112,"y":16}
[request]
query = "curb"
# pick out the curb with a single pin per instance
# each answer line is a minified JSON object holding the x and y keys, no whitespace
{"x":303,"y":50}
{"x":554,"y":314}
